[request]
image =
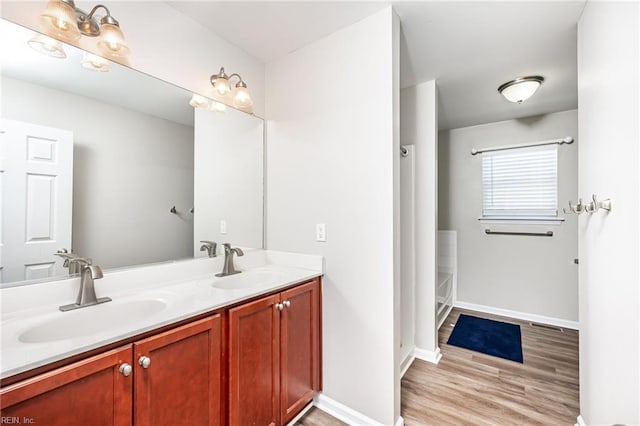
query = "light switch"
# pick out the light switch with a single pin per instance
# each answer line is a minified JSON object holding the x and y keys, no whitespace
{"x":223,"y":226}
{"x":321,"y":232}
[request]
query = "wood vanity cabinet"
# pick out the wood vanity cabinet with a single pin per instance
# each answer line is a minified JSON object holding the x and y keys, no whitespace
{"x":257,"y":363}
{"x":181,"y":385}
{"x":274,"y":356}
{"x":89,"y":392}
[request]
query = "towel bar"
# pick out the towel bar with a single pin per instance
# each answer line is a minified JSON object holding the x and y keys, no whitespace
{"x":528,"y":234}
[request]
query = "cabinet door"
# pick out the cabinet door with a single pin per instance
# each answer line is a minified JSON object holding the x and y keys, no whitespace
{"x":89,"y":392}
{"x":181,"y":385}
{"x":254,"y":363}
{"x":300,"y":348}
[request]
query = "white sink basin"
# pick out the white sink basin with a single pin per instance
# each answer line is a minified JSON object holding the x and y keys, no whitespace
{"x":248,"y":279}
{"x":92,"y":320}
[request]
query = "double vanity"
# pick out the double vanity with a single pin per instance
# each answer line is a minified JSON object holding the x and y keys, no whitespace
{"x":175,"y":345}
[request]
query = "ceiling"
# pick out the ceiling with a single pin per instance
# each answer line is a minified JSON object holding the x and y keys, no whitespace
{"x":470,"y":48}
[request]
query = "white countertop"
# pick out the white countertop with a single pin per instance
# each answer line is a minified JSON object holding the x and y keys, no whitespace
{"x":34,"y":332}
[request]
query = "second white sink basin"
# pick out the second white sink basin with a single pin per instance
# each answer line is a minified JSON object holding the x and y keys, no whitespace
{"x":248,"y":279}
{"x":92,"y":320}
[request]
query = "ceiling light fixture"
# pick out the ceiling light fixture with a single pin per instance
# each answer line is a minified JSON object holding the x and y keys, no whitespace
{"x":520,"y":89}
{"x":221,"y":82}
{"x":62,"y":19}
{"x":47,"y":46}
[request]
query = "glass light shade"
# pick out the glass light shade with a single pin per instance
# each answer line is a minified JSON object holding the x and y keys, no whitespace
{"x":222,"y":86}
{"x":217,"y":107}
{"x":242,"y":99}
{"x":59,"y":20}
{"x":95,"y":62}
{"x":111,"y":41}
{"x":47,"y":46}
{"x":198,"y":101}
{"x":519,"y":92}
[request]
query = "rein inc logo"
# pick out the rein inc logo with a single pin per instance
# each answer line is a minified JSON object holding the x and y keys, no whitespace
{"x":17,"y":420}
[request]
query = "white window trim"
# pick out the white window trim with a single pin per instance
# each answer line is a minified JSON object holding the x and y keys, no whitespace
{"x":555,"y":221}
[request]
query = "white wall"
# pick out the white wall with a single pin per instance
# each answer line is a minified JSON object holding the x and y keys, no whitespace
{"x":129,"y":169}
{"x":228,"y":179}
{"x":608,"y":105}
{"x":165,"y":44}
{"x":332,"y":158}
{"x":532,"y":275}
{"x":419,"y":127}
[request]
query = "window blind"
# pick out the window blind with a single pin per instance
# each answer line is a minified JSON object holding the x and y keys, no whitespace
{"x":520,"y":182}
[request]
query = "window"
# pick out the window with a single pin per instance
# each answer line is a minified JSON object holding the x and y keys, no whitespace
{"x":520,"y":183}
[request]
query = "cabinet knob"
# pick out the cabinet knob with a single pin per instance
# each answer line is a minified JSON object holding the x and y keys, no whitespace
{"x":279,"y":306}
{"x":144,"y":361}
{"x":286,"y":303}
{"x":125,"y":369}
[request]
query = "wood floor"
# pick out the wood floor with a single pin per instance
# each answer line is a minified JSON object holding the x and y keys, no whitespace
{"x":471,"y":388}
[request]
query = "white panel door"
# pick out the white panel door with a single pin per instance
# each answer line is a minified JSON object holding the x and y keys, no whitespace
{"x":36,"y":178}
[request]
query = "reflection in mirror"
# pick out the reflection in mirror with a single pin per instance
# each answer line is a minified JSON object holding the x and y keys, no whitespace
{"x":95,"y":162}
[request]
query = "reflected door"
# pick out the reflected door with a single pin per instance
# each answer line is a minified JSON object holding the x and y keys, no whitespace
{"x":36,"y":175}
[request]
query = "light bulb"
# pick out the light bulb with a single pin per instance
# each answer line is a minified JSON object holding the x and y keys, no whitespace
{"x":47,"y":46}
{"x":94,"y":62}
{"x":217,"y":107}
{"x":221,"y":85}
{"x":111,"y":42}
{"x":242,"y":99}
{"x":59,"y":20}
{"x":198,"y":101}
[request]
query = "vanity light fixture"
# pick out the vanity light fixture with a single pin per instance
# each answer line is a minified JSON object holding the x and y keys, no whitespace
{"x":520,"y":89}
{"x":221,"y":82}
{"x":94,"y":62}
{"x":47,"y":46}
{"x":199,"y":101}
{"x":62,"y":19}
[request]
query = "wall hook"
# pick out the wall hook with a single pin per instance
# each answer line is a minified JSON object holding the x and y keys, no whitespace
{"x":604,"y":204}
{"x":173,"y":210}
{"x":578,"y":208}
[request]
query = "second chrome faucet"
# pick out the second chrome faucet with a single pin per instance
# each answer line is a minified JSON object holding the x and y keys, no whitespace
{"x":229,"y":268}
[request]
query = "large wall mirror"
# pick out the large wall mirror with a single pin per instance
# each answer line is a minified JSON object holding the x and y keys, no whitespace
{"x":116,"y":166}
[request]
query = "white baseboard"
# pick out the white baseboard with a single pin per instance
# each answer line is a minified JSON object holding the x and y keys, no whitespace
{"x":300,"y":414}
{"x":580,"y":421}
{"x":406,"y":363}
{"x":400,"y":421}
{"x":344,"y":413}
{"x":558,"y":322}
{"x":433,"y":357}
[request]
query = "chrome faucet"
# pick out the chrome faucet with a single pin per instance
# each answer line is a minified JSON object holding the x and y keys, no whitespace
{"x":87,"y":292}
{"x":74,"y":268}
{"x":229,"y":269}
{"x":210,"y":247}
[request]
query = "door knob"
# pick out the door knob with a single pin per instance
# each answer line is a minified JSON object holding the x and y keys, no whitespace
{"x":144,"y":361}
{"x":125,"y":369}
{"x":279,"y":306}
{"x":286,"y":303}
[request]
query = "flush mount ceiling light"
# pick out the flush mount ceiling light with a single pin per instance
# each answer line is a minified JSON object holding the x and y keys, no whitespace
{"x":221,"y":82}
{"x":520,"y":89}
{"x":62,"y":19}
{"x":47,"y":46}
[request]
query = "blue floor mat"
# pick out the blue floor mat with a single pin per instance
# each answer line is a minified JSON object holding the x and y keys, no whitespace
{"x":490,"y":337}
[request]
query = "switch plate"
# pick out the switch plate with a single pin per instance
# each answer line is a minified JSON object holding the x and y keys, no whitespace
{"x":223,"y":226}
{"x":321,"y":232}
